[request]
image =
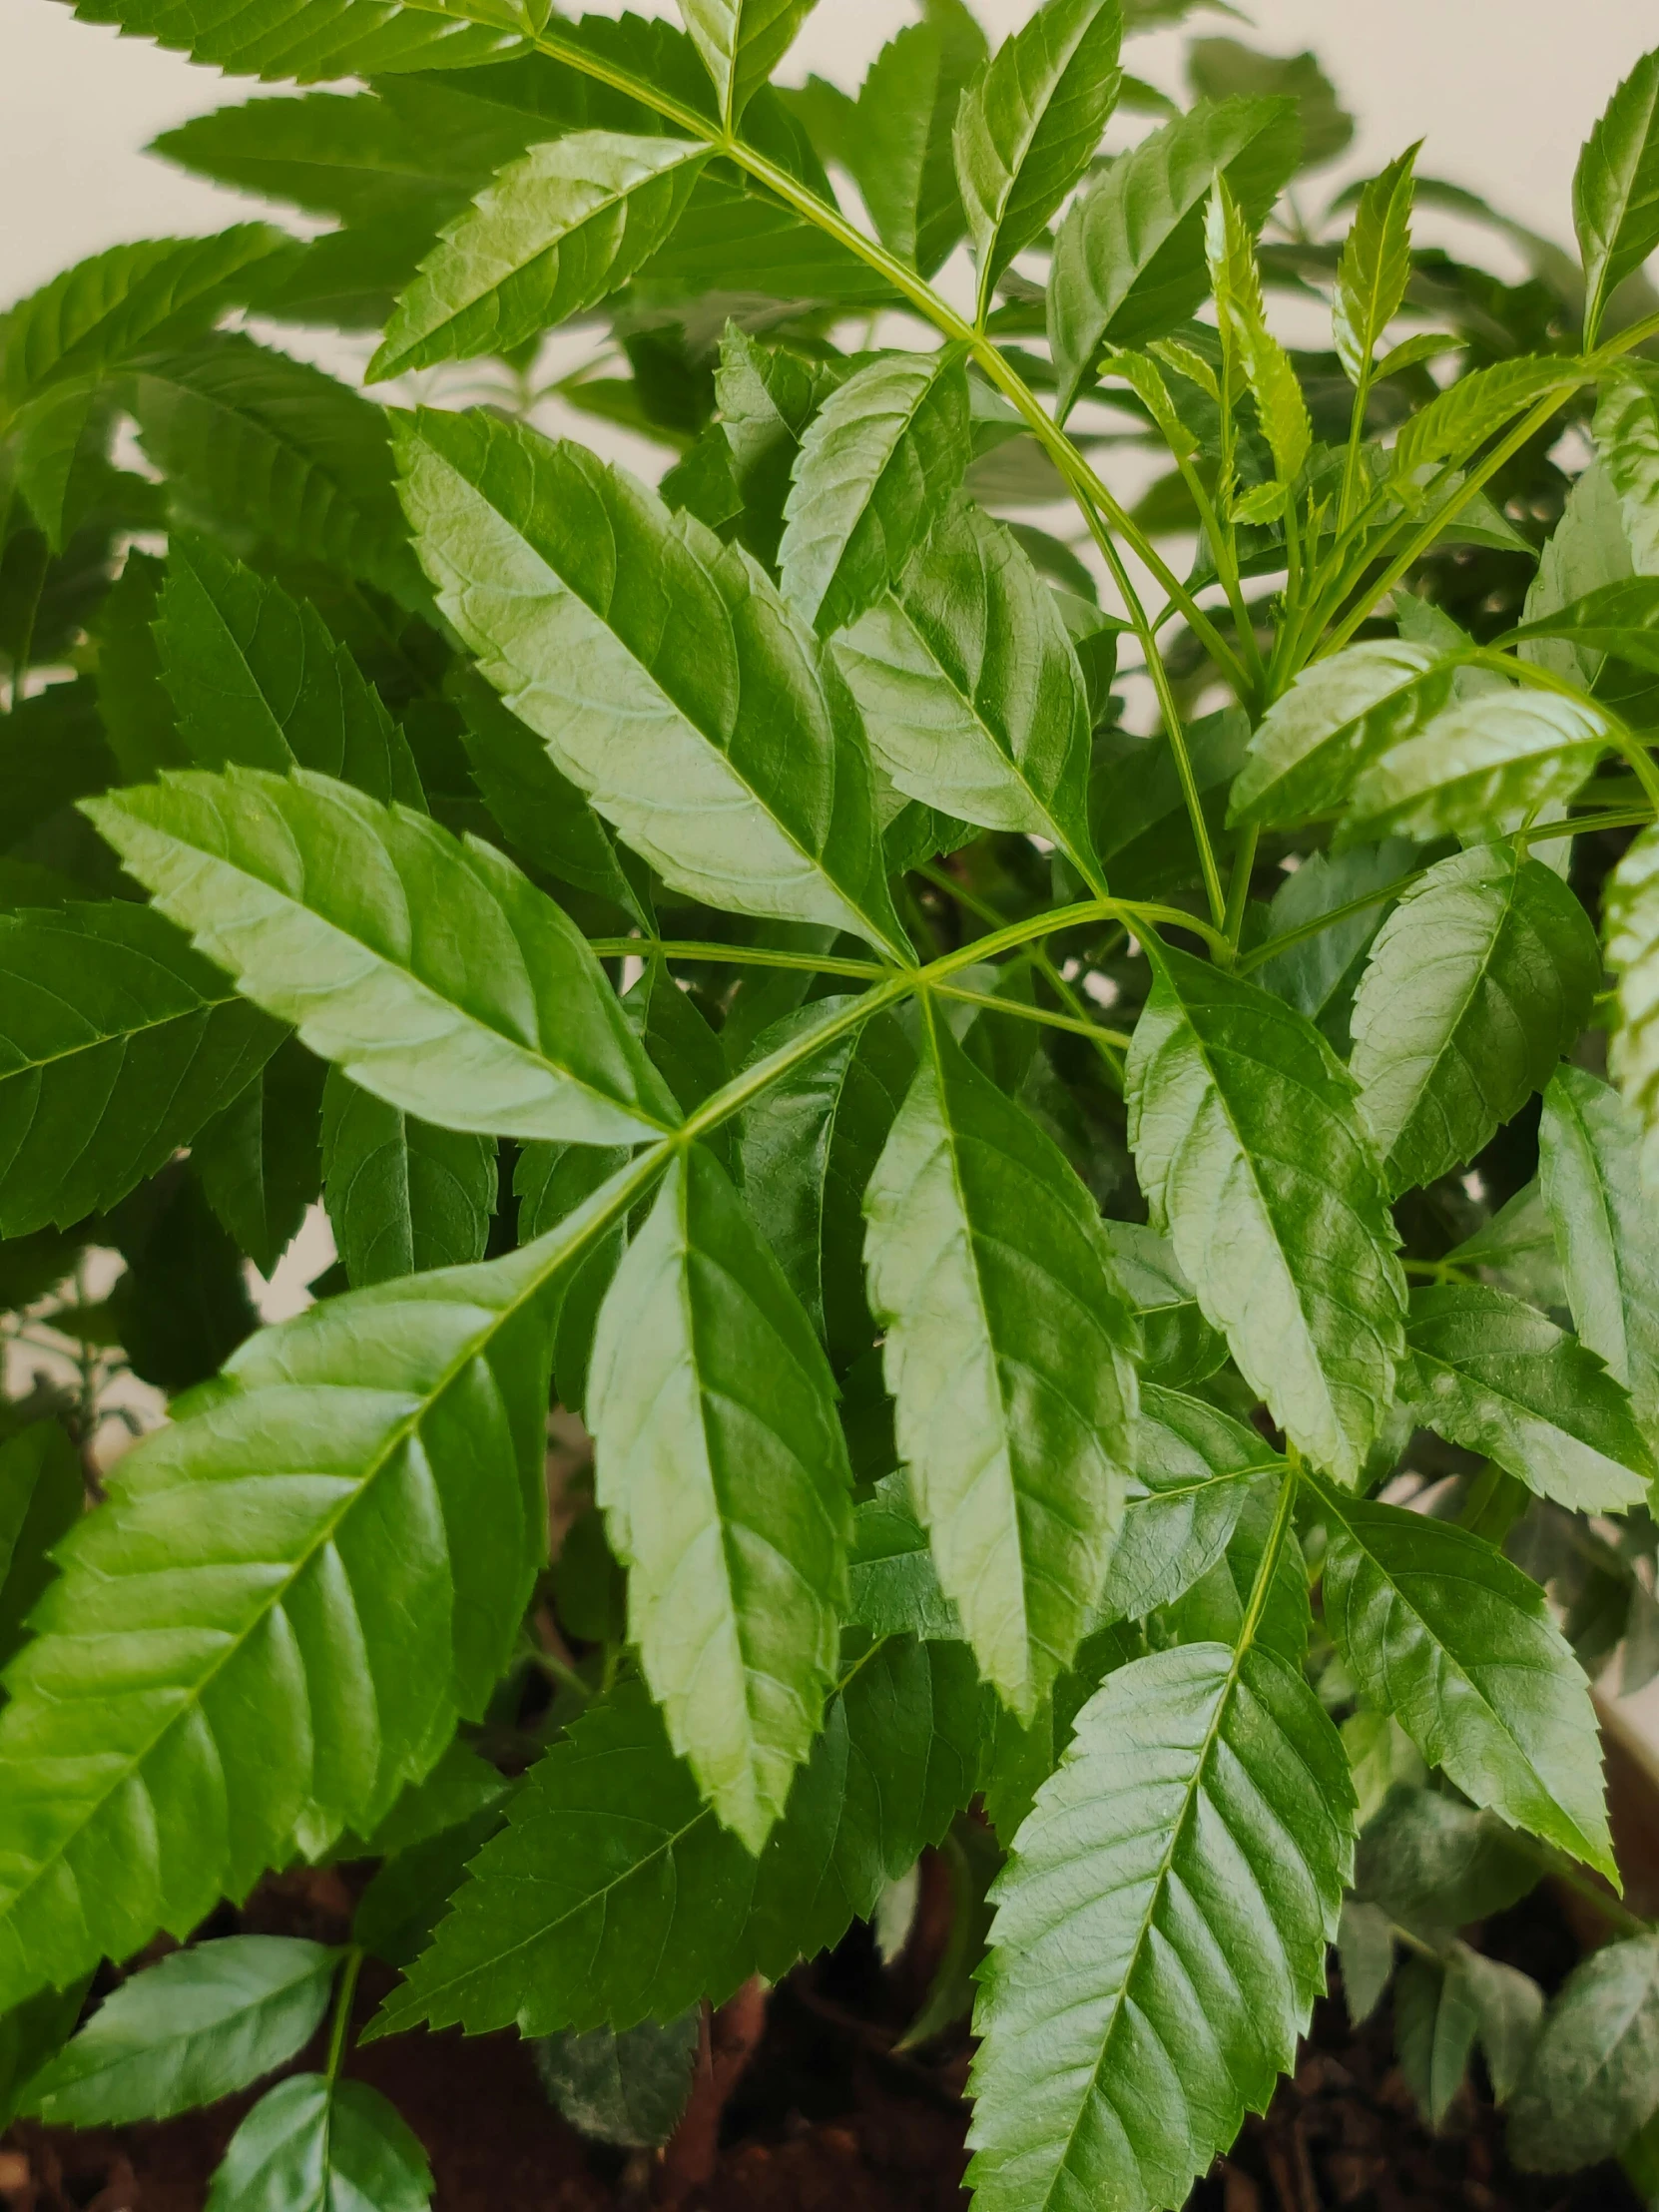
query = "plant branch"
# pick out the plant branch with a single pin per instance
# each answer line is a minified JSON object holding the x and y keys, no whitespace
{"x":736,"y":955}
{"x":343,"y":1995}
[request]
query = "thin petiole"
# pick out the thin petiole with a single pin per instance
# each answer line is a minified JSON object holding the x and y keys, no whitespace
{"x":1024,"y":1012}
{"x":342,"y":2010}
{"x":736,"y":955}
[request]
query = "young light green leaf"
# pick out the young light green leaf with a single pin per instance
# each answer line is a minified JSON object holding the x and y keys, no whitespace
{"x":1029,"y":125}
{"x":971,"y":688}
{"x":316,"y":2145}
{"x":1235,"y":280}
{"x":1338,"y":715}
{"x":1496,"y":756}
{"x":807,"y":1150}
{"x":1631,"y":905}
{"x":1129,"y":257}
{"x":42,"y":1497}
{"x":255,"y":678}
{"x":1195,"y":1468}
{"x":196,"y":2026}
{"x":1593,"y":2079}
{"x":1245,"y":1134}
{"x":1455,"y":425}
{"x":258,"y":1160}
{"x":554,"y":234}
{"x":1008,"y":1350}
{"x":117,"y":1043}
{"x":552,"y":1932}
{"x":324,"y":906}
{"x":663,"y":672}
{"x":1489,"y":1373}
{"x":1177,"y":1887}
{"x":899,"y":141}
{"x":1440,"y":1630}
{"x":1615,"y":192}
{"x":723,"y":1475}
{"x":741,"y":42}
{"x":1376,"y":265}
{"x":355,"y":1511}
{"x":402,"y":1196}
{"x":1589,"y":1166}
{"x":1479,"y":982}
{"x":878,"y":464}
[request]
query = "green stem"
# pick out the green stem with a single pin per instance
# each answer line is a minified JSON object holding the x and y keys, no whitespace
{"x":1074,"y":1025}
{"x":1303,"y":930}
{"x":1268,"y":1565}
{"x":1237,"y":893}
{"x":736,"y":955}
{"x":343,"y":1995}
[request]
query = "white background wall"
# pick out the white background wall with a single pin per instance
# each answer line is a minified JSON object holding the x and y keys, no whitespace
{"x":1503,"y":89}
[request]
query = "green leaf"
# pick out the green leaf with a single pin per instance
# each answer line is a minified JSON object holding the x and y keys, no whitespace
{"x":1589,"y":1166}
{"x":1434,"y":2031}
{"x":314,"y":2145}
{"x":1627,"y":442}
{"x":52,"y":752}
{"x":133,"y":704}
{"x":259,"y":447}
{"x":1503,"y":754}
{"x":1338,"y":715}
{"x":893,"y":1582}
{"x":1254,"y":1163}
{"x":131,"y":300}
{"x":42,"y":1497}
{"x":1159,"y":1932}
{"x":807,"y":1150}
{"x":1217,"y":1609}
{"x":878,"y":462}
{"x":257,"y":679}
{"x":1615,"y":191}
{"x":1366,"y":1948}
{"x":899,"y":141}
{"x":402,"y":1196}
{"x":117,"y":1043}
{"x":741,"y":42}
{"x":258,"y":1160}
{"x":1129,"y":257}
{"x":319,"y":901}
{"x":723,"y":1475}
{"x":1493,"y":1374}
{"x":1479,"y":980}
{"x":459,"y":1788}
{"x":1195,"y":1468}
{"x":1320,"y":974}
{"x":1508,"y":2009}
{"x":1236,"y":282}
{"x":31,"y":2035}
{"x":1518,"y":1246}
{"x":1455,"y":425}
{"x":1631,"y":902}
{"x":1180,"y":1347}
{"x":628,"y":2089}
{"x":554,"y":234}
{"x":1621,"y":618}
{"x":1030,"y":123}
{"x":193,"y":2027}
{"x":1593,"y":2079}
{"x":1441,"y":1631}
{"x":663,"y":672}
{"x":1375,"y":267}
{"x":1008,"y":1348}
{"x":1219,"y":67}
{"x":970,"y":687}
{"x":315,"y":39}
{"x":1588,"y":550}
{"x":353,"y":1516}
{"x":615,"y":1896}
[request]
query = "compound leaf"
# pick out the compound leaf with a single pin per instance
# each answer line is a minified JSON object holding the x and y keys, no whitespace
{"x":1493,"y":1374}
{"x":434,"y":973}
{"x":1254,"y":1163}
{"x":878,"y":464}
{"x":117,"y":1043}
{"x":1440,"y":1630}
{"x":1008,"y":1348}
{"x":723,"y":1474}
{"x":1159,"y":1932}
{"x":196,"y":2026}
{"x":1479,"y":980}
{"x":661,"y":669}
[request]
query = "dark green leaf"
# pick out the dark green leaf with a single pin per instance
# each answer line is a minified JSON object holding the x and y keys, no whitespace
{"x":1434,"y":2031}
{"x":402,"y":1196}
{"x":1440,"y":1630}
{"x":1593,"y":2079}
{"x":32,"y":2033}
{"x":1495,"y":1377}
{"x":665,"y":674}
{"x":1519,"y":1247}
{"x":899,"y":143}
{"x":627,"y":2089}
{"x":182,"y":1308}
{"x":1008,"y":1350}
{"x":1615,"y":191}
{"x":1216,"y":1608}
{"x":1589,"y":1165}
{"x":1479,"y":982}
{"x":893,"y":1582}
{"x":258,"y":1159}
{"x":1508,"y":2009}
{"x":1620,"y":618}
{"x":314,"y":2145}
{"x":133,"y":703}
{"x":1029,"y":123}
{"x":1319,"y":975}
{"x":350,"y":918}
{"x":196,"y":2026}
{"x":553,"y":1933}
{"x":1434,"y":1864}
{"x":1219,"y":67}
{"x":52,"y":752}
{"x":1178,"y":1884}
{"x":42,"y":1497}
{"x":117,"y":1043}
{"x":1246,"y":1137}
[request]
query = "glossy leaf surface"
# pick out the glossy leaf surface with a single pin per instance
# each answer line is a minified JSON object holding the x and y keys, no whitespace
{"x":314,"y":2146}
{"x":1589,"y":1166}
